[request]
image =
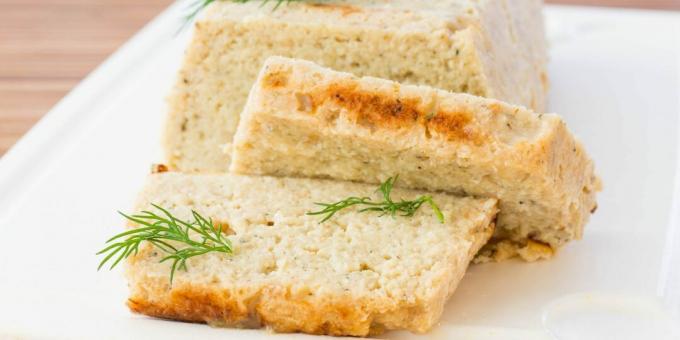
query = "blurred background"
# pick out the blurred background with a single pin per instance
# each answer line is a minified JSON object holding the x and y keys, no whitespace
{"x":48,"y":46}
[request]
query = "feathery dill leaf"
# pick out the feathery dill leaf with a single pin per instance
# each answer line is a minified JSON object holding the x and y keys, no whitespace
{"x":386,"y":207}
{"x":196,"y":7}
{"x":160,"y":230}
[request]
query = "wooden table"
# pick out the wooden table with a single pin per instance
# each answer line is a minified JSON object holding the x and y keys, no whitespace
{"x":48,"y":46}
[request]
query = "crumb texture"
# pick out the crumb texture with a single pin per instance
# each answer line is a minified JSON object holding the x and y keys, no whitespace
{"x":356,"y":274}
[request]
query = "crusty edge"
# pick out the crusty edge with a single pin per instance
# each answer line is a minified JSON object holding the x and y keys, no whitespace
{"x":274,"y":307}
{"x":277,"y":308}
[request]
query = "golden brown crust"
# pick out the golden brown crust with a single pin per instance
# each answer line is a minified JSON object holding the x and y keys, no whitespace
{"x":455,"y":126}
{"x":380,"y":108}
{"x":189,"y":306}
{"x":370,"y":108}
{"x":275,"y":307}
{"x":377,"y":109}
{"x":499,"y":250}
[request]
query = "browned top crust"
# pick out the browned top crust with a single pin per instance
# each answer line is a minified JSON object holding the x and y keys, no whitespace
{"x":376,"y":108}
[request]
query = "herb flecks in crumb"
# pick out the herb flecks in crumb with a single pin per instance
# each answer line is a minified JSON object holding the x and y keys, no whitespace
{"x":386,"y":207}
{"x":196,"y":238}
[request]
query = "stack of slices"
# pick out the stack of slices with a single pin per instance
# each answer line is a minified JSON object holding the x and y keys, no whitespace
{"x":264,"y":123}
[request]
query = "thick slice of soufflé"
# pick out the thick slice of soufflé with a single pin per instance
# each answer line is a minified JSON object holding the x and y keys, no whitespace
{"x":354,"y":274}
{"x":303,"y":120}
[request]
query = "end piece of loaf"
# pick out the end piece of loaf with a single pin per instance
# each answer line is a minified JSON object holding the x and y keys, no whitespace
{"x":307,"y":121}
{"x":488,"y":48}
{"x":355,"y":274}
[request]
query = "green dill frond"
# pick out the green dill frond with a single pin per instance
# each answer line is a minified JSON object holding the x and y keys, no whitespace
{"x":386,"y":207}
{"x":180,"y":240}
{"x":196,"y":7}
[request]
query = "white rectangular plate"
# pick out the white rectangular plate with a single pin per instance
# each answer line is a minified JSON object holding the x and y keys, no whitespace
{"x":615,"y":78}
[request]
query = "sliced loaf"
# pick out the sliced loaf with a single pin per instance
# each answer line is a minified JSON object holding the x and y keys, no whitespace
{"x":307,"y":121}
{"x":490,"y":48}
{"x":355,"y":274}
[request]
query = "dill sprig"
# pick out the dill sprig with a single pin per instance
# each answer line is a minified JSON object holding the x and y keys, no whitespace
{"x":196,"y":7}
{"x":386,"y":207}
{"x":160,"y":230}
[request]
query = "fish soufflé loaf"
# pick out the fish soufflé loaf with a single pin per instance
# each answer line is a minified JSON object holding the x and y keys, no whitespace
{"x":354,"y":274}
{"x":308,"y":121}
{"x":490,"y":48}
